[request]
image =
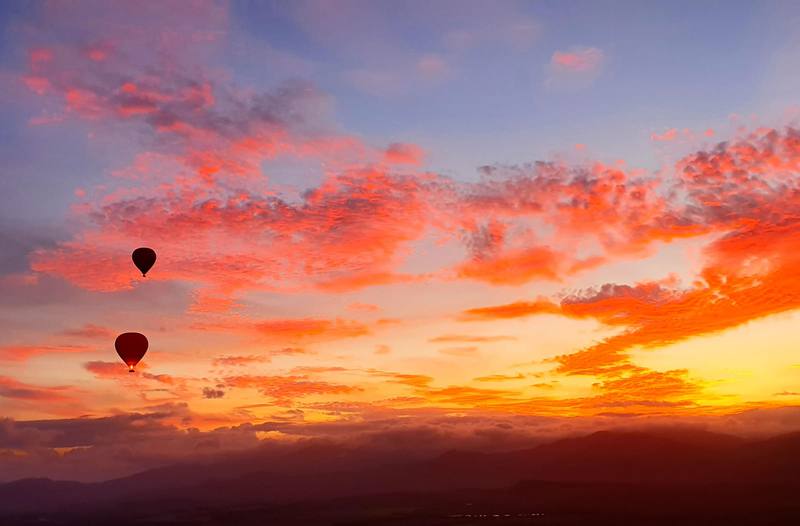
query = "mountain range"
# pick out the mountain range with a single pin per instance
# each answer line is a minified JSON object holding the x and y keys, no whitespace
{"x":608,"y":477}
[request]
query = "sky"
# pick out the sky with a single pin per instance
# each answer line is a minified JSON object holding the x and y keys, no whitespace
{"x":517,"y":216}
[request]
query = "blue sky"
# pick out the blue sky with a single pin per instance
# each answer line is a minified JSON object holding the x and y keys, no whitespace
{"x":668,"y":65}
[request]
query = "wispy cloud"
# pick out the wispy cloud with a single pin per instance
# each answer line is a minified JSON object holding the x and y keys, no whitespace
{"x":575,"y":68}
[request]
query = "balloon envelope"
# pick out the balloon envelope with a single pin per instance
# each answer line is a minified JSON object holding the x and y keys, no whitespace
{"x":131,"y":347}
{"x":144,"y":258}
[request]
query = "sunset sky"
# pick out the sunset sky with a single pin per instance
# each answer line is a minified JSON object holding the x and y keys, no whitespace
{"x":373,"y":211}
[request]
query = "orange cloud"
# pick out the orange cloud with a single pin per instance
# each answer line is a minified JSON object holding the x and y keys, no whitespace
{"x":284,"y":389}
{"x":499,"y":378}
{"x":310,"y":329}
{"x":515,"y":268}
{"x":252,"y":359}
{"x":511,"y":310}
{"x":649,"y":385}
{"x":414,"y":380}
{"x":288,"y":331}
{"x":464,"y":338}
{"x":238,"y":361}
{"x":460,"y":351}
{"x":745,"y":189}
{"x":469,"y":396}
{"x":749,"y":272}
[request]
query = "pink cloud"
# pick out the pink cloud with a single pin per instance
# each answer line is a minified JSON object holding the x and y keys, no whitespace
{"x":411,"y":75}
{"x":14,"y":353}
{"x":669,"y":135}
{"x":432,"y":66}
{"x":114,"y":370}
{"x":363,"y":307}
{"x":578,"y":60}
{"x":399,"y":153}
{"x":575,"y":68}
{"x":14,"y":389}
{"x":90,"y":332}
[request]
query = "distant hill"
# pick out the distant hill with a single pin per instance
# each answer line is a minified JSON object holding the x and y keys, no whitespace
{"x":688,"y":473}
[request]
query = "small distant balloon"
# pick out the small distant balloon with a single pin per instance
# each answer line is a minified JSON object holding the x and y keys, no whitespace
{"x":144,"y":258}
{"x":131,"y":347}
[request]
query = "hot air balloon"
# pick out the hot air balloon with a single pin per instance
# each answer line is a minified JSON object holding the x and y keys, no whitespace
{"x":131,"y":347}
{"x":144,"y":258}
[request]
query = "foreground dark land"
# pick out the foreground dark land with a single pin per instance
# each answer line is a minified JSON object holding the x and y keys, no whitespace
{"x":604,"y":478}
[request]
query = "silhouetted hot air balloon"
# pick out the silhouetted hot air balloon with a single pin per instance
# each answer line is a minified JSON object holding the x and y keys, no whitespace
{"x":131,"y":347}
{"x":144,"y":258}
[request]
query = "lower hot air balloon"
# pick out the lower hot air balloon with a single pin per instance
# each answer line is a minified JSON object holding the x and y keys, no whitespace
{"x":144,"y":258}
{"x":131,"y":347}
